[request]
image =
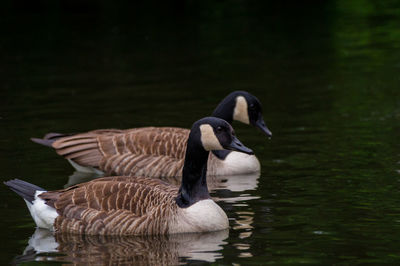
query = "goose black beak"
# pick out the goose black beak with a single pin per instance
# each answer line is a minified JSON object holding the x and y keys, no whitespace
{"x":261,"y":125}
{"x":236,"y":145}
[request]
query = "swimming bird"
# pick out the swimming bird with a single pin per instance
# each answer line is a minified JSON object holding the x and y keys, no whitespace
{"x":157,"y":151}
{"x":139,"y":205}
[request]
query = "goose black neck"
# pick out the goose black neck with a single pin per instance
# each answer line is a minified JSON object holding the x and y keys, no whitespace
{"x":225,"y":108}
{"x":194,"y":179}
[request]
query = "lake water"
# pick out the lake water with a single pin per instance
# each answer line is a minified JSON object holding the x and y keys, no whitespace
{"x":326,"y":72}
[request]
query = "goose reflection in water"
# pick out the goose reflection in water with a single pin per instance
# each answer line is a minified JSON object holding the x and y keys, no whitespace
{"x":133,"y":250}
{"x":235,"y":192}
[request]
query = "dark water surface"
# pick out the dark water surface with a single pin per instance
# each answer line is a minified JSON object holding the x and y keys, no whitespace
{"x":326,"y":72}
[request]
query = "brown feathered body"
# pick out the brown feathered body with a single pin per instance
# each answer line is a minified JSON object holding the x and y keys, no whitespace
{"x":114,"y":206}
{"x":149,"y":151}
{"x":129,"y":206}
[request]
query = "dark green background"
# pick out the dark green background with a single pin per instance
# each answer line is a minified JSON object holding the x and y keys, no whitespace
{"x":326,"y":72}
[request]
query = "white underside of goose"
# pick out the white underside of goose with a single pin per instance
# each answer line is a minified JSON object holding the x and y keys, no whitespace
{"x":203,"y":216}
{"x":43,"y":215}
{"x":85,"y":169}
{"x":236,"y":163}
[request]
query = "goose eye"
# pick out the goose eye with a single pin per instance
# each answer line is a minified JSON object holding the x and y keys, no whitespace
{"x":252,"y":106}
{"x":219,"y":129}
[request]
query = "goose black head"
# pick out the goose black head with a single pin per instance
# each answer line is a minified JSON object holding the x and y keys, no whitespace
{"x":243,"y":107}
{"x":207,"y":134}
{"x":217,"y":134}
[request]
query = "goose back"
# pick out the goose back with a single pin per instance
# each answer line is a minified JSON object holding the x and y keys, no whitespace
{"x":149,"y":151}
{"x":114,"y":206}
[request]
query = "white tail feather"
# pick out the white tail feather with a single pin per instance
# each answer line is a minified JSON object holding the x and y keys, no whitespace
{"x":42,"y":214}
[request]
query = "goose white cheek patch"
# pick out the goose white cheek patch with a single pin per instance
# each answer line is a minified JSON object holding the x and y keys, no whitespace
{"x":208,"y":139}
{"x":240,"y":113}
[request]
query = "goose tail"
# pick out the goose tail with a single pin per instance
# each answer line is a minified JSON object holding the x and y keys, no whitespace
{"x":82,"y":150}
{"x":43,"y":214}
{"x":26,"y":190}
{"x":49,"y":139}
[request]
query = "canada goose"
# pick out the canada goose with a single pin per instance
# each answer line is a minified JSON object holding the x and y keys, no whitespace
{"x":138,"y":205}
{"x":157,"y":151}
